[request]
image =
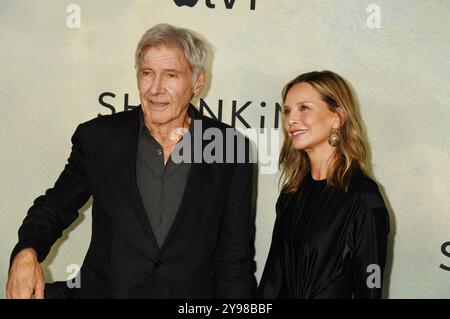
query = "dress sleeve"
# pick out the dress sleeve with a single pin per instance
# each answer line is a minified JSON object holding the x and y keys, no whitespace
{"x":370,"y":234}
{"x":234,"y":257}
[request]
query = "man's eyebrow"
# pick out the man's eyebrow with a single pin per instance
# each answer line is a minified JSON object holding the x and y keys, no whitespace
{"x":172,"y":70}
{"x":164,"y":70}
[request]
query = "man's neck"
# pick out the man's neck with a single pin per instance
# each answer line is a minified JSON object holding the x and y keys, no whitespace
{"x":171,"y":131}
{"x":169,"y":134}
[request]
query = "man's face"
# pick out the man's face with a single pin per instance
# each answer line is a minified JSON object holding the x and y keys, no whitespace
{"x":165,"y":85}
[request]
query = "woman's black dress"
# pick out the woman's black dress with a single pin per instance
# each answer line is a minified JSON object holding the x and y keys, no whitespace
{"x":327,"y":243}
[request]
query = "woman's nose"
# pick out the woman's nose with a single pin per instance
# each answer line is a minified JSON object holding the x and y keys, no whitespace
{"x":293,"y":118}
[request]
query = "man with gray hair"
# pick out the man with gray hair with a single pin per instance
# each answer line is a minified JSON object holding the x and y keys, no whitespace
{"x":160,"y":228}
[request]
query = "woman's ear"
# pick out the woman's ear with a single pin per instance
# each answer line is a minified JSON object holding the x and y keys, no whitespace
{"x":339,"y":119}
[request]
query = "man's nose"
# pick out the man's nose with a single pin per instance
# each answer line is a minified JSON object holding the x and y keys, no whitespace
{"x":157,"y":86}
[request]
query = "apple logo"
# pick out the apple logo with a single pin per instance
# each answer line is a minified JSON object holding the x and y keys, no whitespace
{"x":189,"y":3}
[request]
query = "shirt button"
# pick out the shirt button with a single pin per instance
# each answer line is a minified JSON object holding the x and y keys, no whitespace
{"x":159,"y":152}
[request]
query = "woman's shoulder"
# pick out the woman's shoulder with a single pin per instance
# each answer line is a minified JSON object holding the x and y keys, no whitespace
{"x":283,"y":201}
{"x":364,"y":188}
{"x":368,"y":202}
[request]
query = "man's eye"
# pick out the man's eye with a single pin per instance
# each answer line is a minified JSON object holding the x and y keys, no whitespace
{"x":146,"y":73}
{"x":170,"y":75}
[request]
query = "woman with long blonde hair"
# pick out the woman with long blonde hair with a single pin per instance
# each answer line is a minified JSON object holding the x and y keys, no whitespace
{"x":330,"y":234}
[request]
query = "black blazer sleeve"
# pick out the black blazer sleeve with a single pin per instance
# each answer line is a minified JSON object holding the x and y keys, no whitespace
{"x":271,"y":279}
{"x":58,"y":208}
{"x":233,"y":260}
{"x":272,"y":276}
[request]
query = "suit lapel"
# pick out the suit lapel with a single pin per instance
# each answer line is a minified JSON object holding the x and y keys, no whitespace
{"x":195,"y":183}
{"x":130,"y":141}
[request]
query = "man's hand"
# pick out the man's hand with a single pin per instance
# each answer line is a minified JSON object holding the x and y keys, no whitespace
{"x":25,"y":276}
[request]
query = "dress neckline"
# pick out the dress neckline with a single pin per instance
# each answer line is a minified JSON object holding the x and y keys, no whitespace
{"x":318,"y":181}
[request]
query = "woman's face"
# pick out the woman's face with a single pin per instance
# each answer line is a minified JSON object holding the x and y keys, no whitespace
{"x":308,"y":121}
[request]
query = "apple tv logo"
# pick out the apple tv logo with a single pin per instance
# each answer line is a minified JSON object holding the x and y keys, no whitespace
{"x":229,"y":4}
{"x":189,"y":3}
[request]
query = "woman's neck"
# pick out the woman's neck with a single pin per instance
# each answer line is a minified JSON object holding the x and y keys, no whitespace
{"x":320,"y":161}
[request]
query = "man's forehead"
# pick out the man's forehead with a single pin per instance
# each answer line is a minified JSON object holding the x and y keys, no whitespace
{"x":164,"y":54}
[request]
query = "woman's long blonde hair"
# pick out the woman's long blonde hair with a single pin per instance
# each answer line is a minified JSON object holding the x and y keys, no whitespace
{"x":350,"y":151}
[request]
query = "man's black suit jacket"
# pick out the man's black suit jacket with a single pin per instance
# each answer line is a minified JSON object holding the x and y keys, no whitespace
{"x":208,"y":252}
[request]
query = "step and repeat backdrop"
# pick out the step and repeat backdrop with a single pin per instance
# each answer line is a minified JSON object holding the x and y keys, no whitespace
{"x":65,"y":62}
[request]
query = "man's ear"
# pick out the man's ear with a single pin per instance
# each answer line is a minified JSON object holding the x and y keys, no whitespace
{"x":200,"y":83}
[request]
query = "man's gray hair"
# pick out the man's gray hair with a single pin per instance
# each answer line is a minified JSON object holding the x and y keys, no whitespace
{"x":164,"y":34}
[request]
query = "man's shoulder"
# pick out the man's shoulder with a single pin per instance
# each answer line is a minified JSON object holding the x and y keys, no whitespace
{"x":228,"y":131}
{"x":209,"y":122}
{"x":112,"y":121}
{"x":234,"y":143}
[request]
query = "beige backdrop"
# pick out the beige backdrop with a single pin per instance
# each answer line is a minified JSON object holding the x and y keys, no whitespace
{"x":52,"y":76}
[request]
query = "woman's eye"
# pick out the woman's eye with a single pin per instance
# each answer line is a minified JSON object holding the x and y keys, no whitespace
{"x":304,"y":107}
{"x":287,"y":111}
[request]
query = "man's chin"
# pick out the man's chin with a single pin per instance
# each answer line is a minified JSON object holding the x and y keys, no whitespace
{"x":158,"y":120}
{"x":157,"y":107}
